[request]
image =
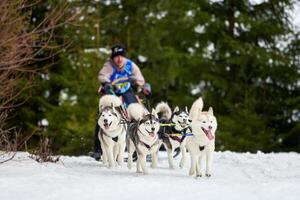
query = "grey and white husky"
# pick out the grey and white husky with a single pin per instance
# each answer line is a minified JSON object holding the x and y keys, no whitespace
{"x":175,"y":127}
{"x":142,"y":136}
{"x":112,"y":133}
{"x":202,"y":143}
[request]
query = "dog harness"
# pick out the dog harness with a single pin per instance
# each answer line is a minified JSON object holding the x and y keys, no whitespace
{"x":201,"y":148}
{"x":122,"y":86}
{"x":175,"y":134}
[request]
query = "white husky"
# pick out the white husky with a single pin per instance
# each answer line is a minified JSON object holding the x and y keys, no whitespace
{"x":142,"y":136}
{"x":202,"y":143}
{"x":175,"y":127}
{"x":112,"y":133}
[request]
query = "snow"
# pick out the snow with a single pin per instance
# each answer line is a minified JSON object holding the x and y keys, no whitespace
{"x":235,"y":176}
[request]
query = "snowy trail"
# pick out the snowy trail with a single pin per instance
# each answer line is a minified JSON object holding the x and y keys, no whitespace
{"x":235,"y":176}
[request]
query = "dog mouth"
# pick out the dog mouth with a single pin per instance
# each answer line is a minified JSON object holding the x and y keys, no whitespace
{"x":208,"y":133}
{"x":107,"y":125}
{"x":183,"y":124}
{"x":151,"y":133}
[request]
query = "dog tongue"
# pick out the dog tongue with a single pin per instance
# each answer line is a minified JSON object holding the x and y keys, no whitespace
{"x":151,"y":134}
{"x":209,"y":135}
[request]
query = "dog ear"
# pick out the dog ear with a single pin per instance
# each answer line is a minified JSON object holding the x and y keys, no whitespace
{"x":176,"y":109}
{"x":210,"y":110}
{"x":186,"y":109}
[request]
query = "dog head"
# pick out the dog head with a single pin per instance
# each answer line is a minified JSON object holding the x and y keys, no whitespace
{"x":109,"y":118}
{"x":149,"y":126}
{"x":181,"y":118}
{"x":205,"y":124}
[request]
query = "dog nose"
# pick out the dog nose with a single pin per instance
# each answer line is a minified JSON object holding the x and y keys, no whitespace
{"x":184,"y":120}
{"x":105,"y":120}
{"x":152,"y":129}
{"x":210,"y":127}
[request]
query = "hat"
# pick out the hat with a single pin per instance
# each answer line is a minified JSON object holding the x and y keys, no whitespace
{"x":117,"y":50}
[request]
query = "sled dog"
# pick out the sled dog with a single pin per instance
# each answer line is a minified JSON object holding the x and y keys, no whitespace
{"x":174,"y":129}
{"x":202,"y":143}
{"x":142,"y":136}
{"x":112,"y":133}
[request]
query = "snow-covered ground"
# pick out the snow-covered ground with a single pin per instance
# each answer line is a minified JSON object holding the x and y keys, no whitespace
{"x":235,"y":176}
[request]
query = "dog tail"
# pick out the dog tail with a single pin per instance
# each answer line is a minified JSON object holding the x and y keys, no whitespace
{"x":196,"y":108}
{"x":136,"y":111}
{"x":109,"y":100}
{"x":164,"y":109}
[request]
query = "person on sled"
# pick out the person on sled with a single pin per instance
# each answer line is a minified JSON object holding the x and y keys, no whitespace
{"x":121,"y":77}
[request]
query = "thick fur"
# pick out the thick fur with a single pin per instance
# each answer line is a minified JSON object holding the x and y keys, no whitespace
{"x":109,"y":100}
{"x":202,"y":143}
{"x":112,"y":133}
{"x":173,"y":137}
{"x":142,"y":137}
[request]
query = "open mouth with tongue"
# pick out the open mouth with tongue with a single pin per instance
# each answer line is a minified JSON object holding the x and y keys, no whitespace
{"x":208,"y":133}
{"x":182,"y":124}
{"x":150,"y":133}
{"x":107,"y":125}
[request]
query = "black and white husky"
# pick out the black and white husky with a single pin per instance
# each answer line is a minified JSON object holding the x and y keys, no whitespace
{"x":202,"y":143}
{"x":142,"y":136}
{"x":175,"y":127}
{"x":112,"y":133}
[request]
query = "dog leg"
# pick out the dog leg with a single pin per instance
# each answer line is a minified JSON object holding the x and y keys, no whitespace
{"x":198,"y":166}
{"x":104,"y":156}
{"x":154,"y":159}
{"x":142,"y":159}
{"x":130,"y":150}
{"x":170,"y":157}
{"x":110,"y":156}
{"x":120,"y":154}
{"x":138,"y":164}
{"x":183,"y":153}
{"x":116,"y":153}
{"x":193,"y":164}
{"x":209,"y":160}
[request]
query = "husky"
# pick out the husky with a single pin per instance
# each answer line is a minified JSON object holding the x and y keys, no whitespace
{"x":175,"y":127}
{"x":142,"y":136}
{"x":202,"y":143}
{"x":112,"y":133}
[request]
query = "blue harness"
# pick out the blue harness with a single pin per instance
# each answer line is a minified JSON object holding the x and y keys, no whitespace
{"x":123,"y":85}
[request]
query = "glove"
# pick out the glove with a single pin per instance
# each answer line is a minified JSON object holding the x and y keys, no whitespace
{"x":146,"y":89}
{"x":132,"y":79}
{"x":107,"y":88}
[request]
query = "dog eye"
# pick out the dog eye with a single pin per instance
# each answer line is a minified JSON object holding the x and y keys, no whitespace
{"x":204,"y":122}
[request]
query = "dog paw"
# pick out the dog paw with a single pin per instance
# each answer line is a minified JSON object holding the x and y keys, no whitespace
{"x":181,"y":165}
{"x":198,"y":175}
{"x":129,"y":166}
{"x":153,"y":166}
{"x":191,"y":172}
{"x":208,"y":175}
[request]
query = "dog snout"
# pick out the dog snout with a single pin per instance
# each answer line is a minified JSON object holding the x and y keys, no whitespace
{"x":105,"y":120}
{"x":209,"y":127}
{"x":152,"y":129}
